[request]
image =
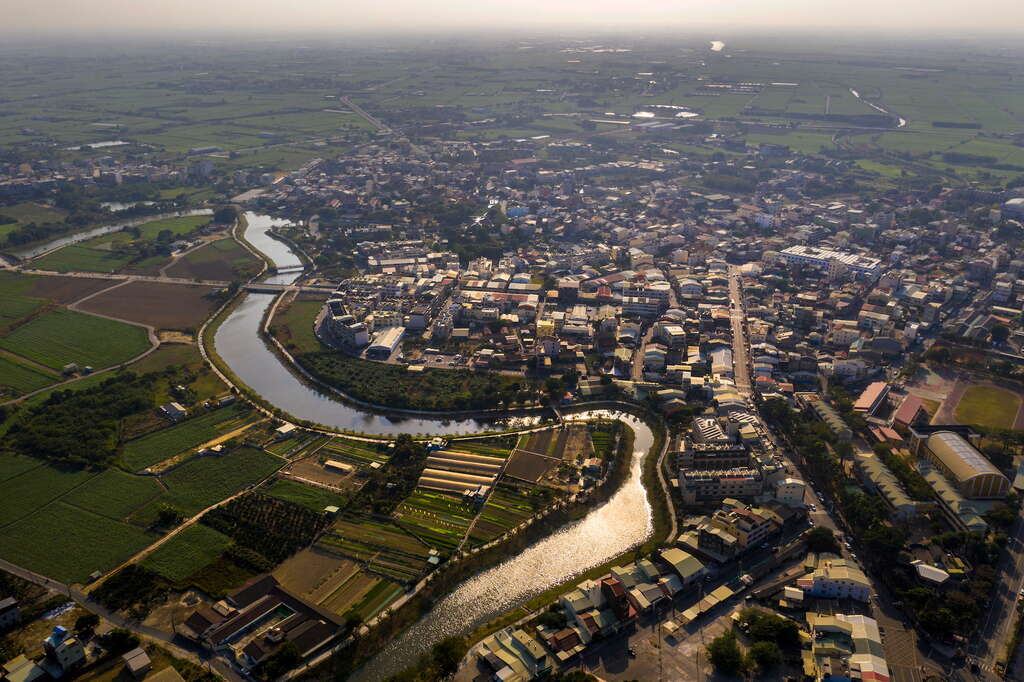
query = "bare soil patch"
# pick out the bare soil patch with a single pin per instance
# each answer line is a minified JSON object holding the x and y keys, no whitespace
{"x":164,"y":306}
{"x":67,"y":289}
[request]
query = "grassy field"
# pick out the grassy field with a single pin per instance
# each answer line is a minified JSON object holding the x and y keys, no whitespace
{"x":187,"y":552}
{"x":224,"y":260}
{"x":293,"y":326}
{"x":988,"y":406}
{"x":104,"y":253}
{"x":80,"y":258}
{"x":160,"y":445}
{"x":59,"y":337}
{"x":12,"y":465}
{"x":308,"y":496}
{"x":114,"y":494}
{"x":202,"y":481}
{"x":68,"y":543}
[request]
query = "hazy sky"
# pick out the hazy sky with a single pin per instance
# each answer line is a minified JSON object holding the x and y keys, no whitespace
{"x":91,"y":16}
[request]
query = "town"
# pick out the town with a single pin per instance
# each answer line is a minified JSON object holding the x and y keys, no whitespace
{"x":639,"y":372}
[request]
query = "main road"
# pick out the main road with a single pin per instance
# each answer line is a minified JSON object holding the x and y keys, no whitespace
{"x":737,"y":318}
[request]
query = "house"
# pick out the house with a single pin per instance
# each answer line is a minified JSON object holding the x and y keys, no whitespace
{"x":137,"y":662}
{"x":9,"y":613}
{"x":685,"y":564}
{"x":256,"y":620}
{"x":837,"y":579}
{"x":173,"y":411}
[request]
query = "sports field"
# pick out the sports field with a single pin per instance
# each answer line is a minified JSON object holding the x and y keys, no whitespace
{"x":989,"y":406}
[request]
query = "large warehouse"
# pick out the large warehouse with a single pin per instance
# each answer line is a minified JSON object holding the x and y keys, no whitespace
{"x":385,"y":343}
{"x":973,"y":475}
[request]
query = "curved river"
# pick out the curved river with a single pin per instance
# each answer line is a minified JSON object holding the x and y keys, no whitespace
{"x":240,"y":345}
{"x":607,"y":531}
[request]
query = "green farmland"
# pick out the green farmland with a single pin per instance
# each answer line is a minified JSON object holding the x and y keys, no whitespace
{"x":60,"y":337}
{"x":187,"y":552}
{"x":20,"y":378}
{"x":68,"y":543}
{"x":160,"y":445}
{"x":114,"y":494}
{"x":202,"y":481}
{"x":308,"y":496}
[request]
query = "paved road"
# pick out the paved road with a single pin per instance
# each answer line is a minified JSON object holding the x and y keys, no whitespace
{"x":737,"y":316}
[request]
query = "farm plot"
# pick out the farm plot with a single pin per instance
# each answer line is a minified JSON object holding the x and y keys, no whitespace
{"x":12,"y":465}
{"x":300,"y":446}
{"x":189,"y":551}
{"x":60,"y":337}
{"x":487,"y":448}
{"x":76,"y":543}
{"x":305,"y":495}
{"x":385,"y":548}
{"x":505,"y":509}
{"x":202,"y":481}
{"x":160,"y":445}
{"x":314,"y":574}
{"x":360,"y":453}
{"x":224,"y":259}
{"x":18,"y":378}
{"x":81,"y":258}
{"x":34,"y":488}
{"x":164,"y":306}
{"x":114,"y":494}
{"x":439,"y":520}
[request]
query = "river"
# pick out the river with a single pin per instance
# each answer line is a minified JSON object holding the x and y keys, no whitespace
{"x":39,"y":249}
{"x":239,"y":343}
{"x":622,"y":522}
{"x":607,"y":531}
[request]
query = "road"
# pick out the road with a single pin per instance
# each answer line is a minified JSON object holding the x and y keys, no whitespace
{"x":996,"y":627}
{"x":125,"y":278}
{"x":737,"y":317}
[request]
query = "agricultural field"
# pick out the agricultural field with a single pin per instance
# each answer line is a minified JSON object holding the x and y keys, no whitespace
{"x":987,"y":405}
{"x":114,"y":494}
{"x":160,"y":445}
{"x":385,"y":548}
{"x":297,"y":446}
{"x":33,"y":489}
{"x":189,"y":551}
{"x":308,"y":496}
{"x":293,"y":325}
{"x":31,"y":212}
{"x":162,"y":306}
{"x":506,"y":508}
{"x":489,"y":447}
{"x":202,"y":481}
{"x":437,"y":519}
{"x":222,"y":260}
{"x":111,"y":252}
{"x":59,"y":337}
{"x":355,"y":452}
{"x":81,"y":258}
{"x":77,"y":542}
{"x":18,"y":378}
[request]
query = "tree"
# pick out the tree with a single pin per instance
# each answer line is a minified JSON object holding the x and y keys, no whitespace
{"x":225,"y":215}
{"x":119,"y":640}
{"x":766,"y":655}
{"x":1000,"y":333}
{"x":448,"y":653}
{"x":281,"y":661}
{"x":86,"y":622}
{"x":821,"y":539}
{"x":724,"y":653}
